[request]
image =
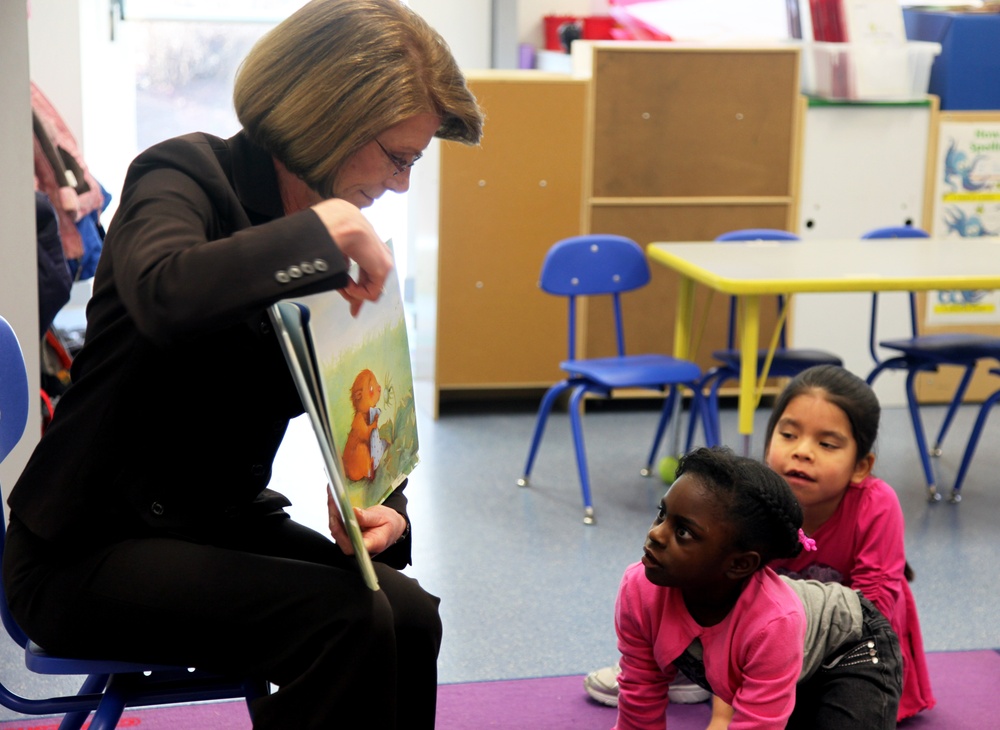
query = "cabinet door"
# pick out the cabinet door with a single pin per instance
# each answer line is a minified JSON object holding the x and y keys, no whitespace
{"x":693,"y":123}
{"x":688,"y":143}
{"x":502,"y":206}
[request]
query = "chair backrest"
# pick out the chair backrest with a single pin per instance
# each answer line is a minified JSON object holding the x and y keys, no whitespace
{"x":753,"y":234}
{"x":891,"y":232}
{"x":593,"y":265}
{"x":13,"y":390}
{"x":14,"y":404}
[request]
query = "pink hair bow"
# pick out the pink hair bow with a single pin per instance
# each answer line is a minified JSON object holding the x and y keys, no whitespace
{"x":808,"y":544}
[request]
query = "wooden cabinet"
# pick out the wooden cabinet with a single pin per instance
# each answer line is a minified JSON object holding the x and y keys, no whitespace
{"x":502,"y":205}
{"x":657,"y":142}
{"x":686,"y":143}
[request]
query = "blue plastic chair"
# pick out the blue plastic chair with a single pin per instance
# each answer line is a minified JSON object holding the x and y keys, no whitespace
{"x":926,"y":353}
{"x":598,"y":265}
{"x":786,"y":362}
{"x":110,"y":686}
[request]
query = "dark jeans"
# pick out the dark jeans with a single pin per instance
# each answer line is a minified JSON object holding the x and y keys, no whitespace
{"x":270,"y":599}
{"x":859,"y":687}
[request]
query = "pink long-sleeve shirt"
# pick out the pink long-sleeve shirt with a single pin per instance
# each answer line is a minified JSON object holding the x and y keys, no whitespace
{"x":862,"y":547}
{"x":757,"y":649}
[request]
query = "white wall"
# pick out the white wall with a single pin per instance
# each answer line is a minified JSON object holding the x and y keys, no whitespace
{"x":465,"y":25}
{"x":18,"y":250}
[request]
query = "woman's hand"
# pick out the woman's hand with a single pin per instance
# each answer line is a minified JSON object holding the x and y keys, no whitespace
{"x":357,"y":240}
{"x":380,"y":526}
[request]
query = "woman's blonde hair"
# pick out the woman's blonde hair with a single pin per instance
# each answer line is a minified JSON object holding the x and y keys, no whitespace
{"x":337,"y":73}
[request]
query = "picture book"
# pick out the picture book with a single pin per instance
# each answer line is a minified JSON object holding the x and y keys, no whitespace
{"x":356,"y":383}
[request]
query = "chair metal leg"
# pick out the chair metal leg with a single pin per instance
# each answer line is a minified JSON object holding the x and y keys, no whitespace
{"x":697,"y":415}
{"x":918,"y":432}
{"x":970,"y":448}
{"x":877,"y":370}
{"x":576,"y":424}
{"x":668,"y":415}
{"x":713,"y":403}
{"x":109,"y":712}
{"x":93,"y":684}
{"x":543,"y":416}
{"x":956,"y":401}
{"x":708,"y":416}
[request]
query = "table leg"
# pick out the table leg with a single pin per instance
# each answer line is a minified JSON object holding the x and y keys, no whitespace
{"x":684,"y":319}
{"x":749,"y":328}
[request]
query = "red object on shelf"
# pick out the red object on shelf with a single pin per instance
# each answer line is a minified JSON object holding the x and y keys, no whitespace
{"x":599,"y":27}
{"x":827,"y":20}
{"x":557,"y":29}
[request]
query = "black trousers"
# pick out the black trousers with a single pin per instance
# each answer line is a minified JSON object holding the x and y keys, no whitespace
{"x":859,"y":687}
{"x":269,"y":598}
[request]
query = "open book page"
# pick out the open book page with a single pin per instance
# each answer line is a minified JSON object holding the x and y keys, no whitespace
{"x":291,"y":323}
{"x":364,"y":370}
{"x":355,"y":379}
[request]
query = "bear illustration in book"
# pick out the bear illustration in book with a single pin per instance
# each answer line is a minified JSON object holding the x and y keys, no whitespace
{"x":365,"y":448}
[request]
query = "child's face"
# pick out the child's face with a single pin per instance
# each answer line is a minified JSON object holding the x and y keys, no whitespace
{"x":814,"y":449}
{"x":690,"y":542}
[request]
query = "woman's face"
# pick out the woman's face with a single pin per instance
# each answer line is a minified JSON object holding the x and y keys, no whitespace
{"x":375,"y":168}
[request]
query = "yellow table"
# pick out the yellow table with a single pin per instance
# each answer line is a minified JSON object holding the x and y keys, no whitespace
{"x":760,"y":268}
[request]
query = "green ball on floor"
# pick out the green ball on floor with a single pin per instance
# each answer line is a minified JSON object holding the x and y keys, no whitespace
{"x":668,"y":469}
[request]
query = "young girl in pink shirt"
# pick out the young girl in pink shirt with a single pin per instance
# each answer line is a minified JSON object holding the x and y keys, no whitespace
{"x":820,"y":438}
{"x":780,"y":652}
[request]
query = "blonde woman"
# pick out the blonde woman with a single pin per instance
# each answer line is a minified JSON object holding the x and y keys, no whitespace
{"x":145,"y":506}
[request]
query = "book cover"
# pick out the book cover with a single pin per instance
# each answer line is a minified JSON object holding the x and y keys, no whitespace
{"x":872,"y":21}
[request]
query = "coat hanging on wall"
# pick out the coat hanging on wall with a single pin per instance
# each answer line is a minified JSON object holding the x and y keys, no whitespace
{"x":62,"y":174}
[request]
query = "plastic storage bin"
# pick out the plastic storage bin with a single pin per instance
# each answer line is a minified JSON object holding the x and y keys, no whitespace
{"x":965,"y":74}
{"x":868,"y":71}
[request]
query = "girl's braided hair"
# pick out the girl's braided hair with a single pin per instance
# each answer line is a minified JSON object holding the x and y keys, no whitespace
{"x":760,"y":504}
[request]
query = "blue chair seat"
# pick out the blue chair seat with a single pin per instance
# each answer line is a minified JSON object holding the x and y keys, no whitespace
{"x":633,"y":371}
{"x":788,"y":362}
{"x":948,"y":347}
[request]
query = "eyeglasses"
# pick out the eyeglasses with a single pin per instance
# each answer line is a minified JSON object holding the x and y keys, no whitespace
{"x":399,"y":163}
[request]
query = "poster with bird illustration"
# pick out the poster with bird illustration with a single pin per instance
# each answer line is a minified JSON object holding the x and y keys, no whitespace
{"x":966,"y":204}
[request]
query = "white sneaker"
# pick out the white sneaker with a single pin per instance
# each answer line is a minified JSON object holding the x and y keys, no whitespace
{"x":602,"y":685}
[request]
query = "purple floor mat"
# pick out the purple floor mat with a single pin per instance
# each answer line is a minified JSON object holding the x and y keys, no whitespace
{"x":965,"y":684}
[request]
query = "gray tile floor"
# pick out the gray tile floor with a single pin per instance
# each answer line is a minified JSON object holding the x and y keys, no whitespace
{"x":528,"y":590}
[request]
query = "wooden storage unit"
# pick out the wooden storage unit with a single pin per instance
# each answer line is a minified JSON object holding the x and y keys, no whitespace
{"x":502,"y":205}
{"x":687,"y":142}
{"x":658,"y":142}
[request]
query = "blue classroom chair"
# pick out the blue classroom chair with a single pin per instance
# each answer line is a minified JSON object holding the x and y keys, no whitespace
{"x":926,"y":353}
{"x":109,"y":686}
{"x":785,"y":362}
{"x":599,"y":265}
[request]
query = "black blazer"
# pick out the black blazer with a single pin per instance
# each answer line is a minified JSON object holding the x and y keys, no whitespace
{"x":180,"y":395}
